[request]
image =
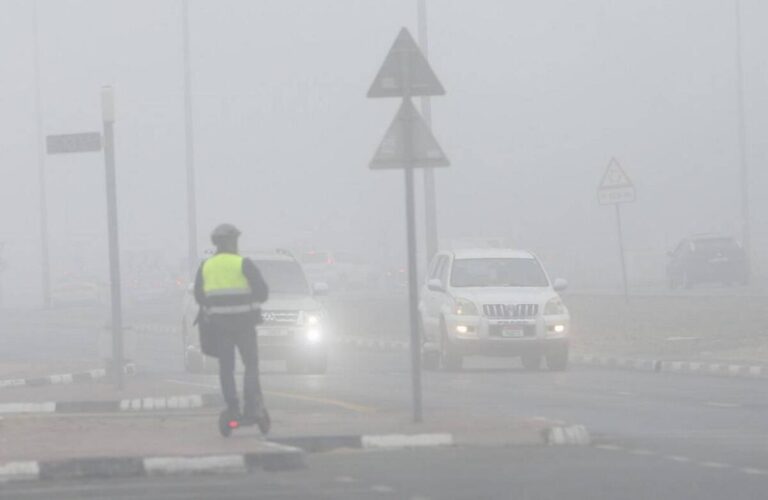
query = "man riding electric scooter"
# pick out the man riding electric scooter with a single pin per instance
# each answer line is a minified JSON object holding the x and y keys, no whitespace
{"x":230,"y":290}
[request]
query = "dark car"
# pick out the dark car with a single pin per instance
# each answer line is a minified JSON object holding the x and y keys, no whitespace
{"x":707,"y":259}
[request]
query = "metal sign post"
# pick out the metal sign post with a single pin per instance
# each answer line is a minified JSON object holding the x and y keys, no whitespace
{"x":615,"y":189}
{"x":89,"y":142}
{"x":108,"y":115}
{"x":409,"y":144}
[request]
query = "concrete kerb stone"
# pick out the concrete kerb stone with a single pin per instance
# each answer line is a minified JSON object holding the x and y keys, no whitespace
{"x":158,"y":404}
{"x":63,"y":378}
{"x":645,"y":365}
{"x":322,"y":444}
{"x":273,"y":458}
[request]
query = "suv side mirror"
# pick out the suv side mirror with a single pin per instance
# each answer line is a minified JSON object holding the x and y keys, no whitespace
{"x":320,"y":288}
{"x":435,"y":285}
{"x":560,"y":285}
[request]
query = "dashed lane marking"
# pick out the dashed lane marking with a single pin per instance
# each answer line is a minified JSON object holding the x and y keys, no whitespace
{"x":715,"y":465}
{"x":754,"y":472}
{"x":344,"y":479}
{"x":380,"y":488}
{"x":609,"y":447}
{"x":642,"y":453}
{"x":716,"y":404}
{"x":678,"y":458}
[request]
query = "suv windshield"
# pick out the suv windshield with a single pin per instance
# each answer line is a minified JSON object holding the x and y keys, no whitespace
{"x":283,"y":276}
{"x":714,"y":246}
{"x":498,"y":273}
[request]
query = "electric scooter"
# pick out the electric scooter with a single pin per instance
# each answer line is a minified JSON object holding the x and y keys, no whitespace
{"x":229,"y":422}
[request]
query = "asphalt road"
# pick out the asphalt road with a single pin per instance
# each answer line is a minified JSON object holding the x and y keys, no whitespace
{"x":656,"y":436}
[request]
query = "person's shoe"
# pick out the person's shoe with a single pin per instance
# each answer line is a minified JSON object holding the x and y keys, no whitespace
{"x":260,"y":418}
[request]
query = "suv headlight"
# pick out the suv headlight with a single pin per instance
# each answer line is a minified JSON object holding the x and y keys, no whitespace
{"x":310,"y":318}
{"x":555,"y":307}
{"x":464,"y":307}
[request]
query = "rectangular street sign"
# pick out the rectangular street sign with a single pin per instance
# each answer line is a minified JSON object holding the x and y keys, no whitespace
{"x":85,"y":142}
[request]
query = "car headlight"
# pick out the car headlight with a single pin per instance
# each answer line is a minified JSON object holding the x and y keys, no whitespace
{"x":314,"y":336}
{"x":555,"y":307}
{"x":310,"y":318}
{"x":464,"y":307}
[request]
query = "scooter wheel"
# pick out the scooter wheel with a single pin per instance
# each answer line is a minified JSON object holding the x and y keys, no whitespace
{"x":227,"y":424}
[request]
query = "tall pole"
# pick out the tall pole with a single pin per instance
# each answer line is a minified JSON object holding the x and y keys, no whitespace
{"x":746,"y":234}
{"x":430,"y":195}
{"x":45,"y":263}
{"x":189,"y":142}
{"x":108,"y":115}
{"x":621,"y":252}
{"x":410,"y":215}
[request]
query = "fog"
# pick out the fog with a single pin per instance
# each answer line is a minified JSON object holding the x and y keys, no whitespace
{"x":540,"y":96}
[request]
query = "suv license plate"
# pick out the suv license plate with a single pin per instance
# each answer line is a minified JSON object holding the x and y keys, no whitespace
{"x":512,"y":333}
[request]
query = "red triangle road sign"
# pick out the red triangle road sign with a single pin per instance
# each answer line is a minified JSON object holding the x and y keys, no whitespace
{"x":424,"y":148}
{"x":405,"y":72}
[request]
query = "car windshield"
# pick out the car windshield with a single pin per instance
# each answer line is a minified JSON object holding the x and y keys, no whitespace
{"x":715,"y":246}
{"x":506,"y":272}
{"x":283,"y":276}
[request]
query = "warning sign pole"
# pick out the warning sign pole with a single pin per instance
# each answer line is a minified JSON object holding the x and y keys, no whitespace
{"x":409,"y":144}
{"x":622,"y":256}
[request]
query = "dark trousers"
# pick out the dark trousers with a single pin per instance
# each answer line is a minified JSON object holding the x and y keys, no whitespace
{"x":244,"y":341}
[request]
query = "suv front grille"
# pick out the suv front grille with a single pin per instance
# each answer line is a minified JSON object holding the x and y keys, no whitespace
{"x":507,"y":311}
{"x":280,"y":317}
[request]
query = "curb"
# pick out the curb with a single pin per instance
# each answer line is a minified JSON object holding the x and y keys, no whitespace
{"x":322,"y":444}
{"x":645,"y":365}
{"x":116,"y":406}
{"x":571,"y":435}
{"x":63,"y":378}
{"x":277,"y":458}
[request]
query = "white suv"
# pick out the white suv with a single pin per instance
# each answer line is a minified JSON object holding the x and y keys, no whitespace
{"x":493,"y":302}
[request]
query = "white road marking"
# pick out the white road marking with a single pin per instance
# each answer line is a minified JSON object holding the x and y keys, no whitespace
{"x":754,"y":472}
{"x":609,"y":447}
{"x":15,"y":471}
{"x":715,"y":465}
{"x":391,"y":441}
{"x":344,"y":479}
{"x":172,"y":465}
{"x":716,"y":404}
{"x":642,"y":453}
{"x":678,"y":458}
{"x":380,"y":488}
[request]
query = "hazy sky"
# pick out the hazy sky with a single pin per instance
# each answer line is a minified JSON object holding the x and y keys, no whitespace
{"x":540,"y":96}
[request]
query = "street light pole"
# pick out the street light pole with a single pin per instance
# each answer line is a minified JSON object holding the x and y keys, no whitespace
{"x":746,"y":233}
{"x":189,"y":142}
{"x":45,"y":263}
{"x":430,"y":195}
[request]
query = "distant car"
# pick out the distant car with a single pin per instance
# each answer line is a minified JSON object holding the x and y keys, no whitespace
{"x":294,"y":327}
{"x":493,"y":303}
{"x":340,"y":270}
{"x":706,"y":259}
{"x":76,"y":290}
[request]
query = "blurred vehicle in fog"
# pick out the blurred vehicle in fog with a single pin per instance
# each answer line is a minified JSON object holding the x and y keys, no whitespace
{"x":493,"y":302}
{"x":706,"y":259}
{"x":78,"y":290}
{"x":340,"y":270}
{"x":295,"y":322}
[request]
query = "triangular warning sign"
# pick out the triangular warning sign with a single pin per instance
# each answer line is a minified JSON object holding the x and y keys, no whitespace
{"x":615,"y":177}
{"x":405,"y":72}
{"x":424,"y":149}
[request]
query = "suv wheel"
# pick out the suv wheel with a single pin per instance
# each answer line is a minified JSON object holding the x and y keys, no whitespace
{"x":531,"y":362}
{"x":557,"y":358}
